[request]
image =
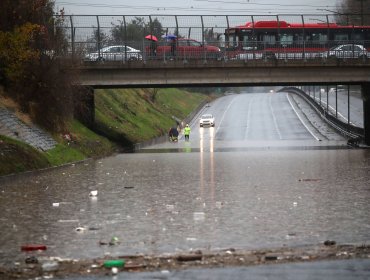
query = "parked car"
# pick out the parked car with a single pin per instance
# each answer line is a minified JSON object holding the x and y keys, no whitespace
{"x":347,"y":51}
{"x":188,"y":49}
{"x":207,"y":120}
{"x":115,"y":53}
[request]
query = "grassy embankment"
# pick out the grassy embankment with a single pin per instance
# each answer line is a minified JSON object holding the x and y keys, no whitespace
{"x":125,"y":116}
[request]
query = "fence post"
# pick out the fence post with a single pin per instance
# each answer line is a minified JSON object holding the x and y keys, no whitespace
{"x":204,"y":49}
{"x":99,"y":40}
{"x":72,"y":38}
{"x":304,"y":40}
{"x":327,"y":98}
{"x":125,"y":36}
{"x":348,"y":109}
{"x":336,"y":101}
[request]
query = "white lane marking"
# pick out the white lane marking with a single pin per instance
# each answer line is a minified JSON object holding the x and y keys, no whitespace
{"x":301,"y":119}
{"x":223,"y":115}
{"x":248,"y":117}
{"x":274,"y":118}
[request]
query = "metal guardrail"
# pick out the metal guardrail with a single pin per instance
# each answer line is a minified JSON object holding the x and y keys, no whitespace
{"x":87,"y":34}
{"x":346,"y":129}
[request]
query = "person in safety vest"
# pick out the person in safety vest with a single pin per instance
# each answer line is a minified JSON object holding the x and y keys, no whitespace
{"x":187,"y":132}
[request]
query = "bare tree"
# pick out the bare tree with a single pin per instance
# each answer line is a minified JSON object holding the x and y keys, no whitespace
{"x":355,"y":12}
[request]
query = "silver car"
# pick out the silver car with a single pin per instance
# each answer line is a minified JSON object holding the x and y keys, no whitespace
{"x":115,"y":53}
{"x":347,"y":51}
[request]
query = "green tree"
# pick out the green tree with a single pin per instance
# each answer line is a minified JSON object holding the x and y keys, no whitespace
{"x":31,"y":41}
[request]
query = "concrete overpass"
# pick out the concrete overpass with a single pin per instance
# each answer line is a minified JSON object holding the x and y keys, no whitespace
{"x":222,"y":73}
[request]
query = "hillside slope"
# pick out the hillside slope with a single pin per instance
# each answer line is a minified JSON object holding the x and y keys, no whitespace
{"x":123,"y":117}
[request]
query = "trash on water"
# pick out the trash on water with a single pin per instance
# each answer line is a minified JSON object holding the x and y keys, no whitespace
{"x":93,"y":193}
{"x":114,"y":263}
{"x":170,"y":207}
{"x":290,"y":235}
{"x":271,"y":258}
{"x":80,"y":229}
{"x":329,"y":242}
{"x":308,"y":180}
{"x":219,"y":204}
{"x":55,"y":204}
{"x":114,"y":241}
{"x":191,"y":239}
{"x":67,"y":221}
{"x":94,"y":228}
{"x":33,"y":247}
{"x":198,"y":216}
{"x":295,"y":203}
{"x":50,"y":266}
{"x":31,"y":259}
{"x":189,"y":258}
{"x":114,"y":270}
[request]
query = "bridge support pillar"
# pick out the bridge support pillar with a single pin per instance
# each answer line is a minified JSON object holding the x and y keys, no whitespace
{"x":365,"y":88}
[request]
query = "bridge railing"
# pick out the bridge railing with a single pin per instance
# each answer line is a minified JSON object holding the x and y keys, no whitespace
{"x":88,"y":34}
{"x":144,"y":51}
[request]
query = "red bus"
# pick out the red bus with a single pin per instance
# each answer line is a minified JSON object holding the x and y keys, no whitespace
{"x":283,"y":40}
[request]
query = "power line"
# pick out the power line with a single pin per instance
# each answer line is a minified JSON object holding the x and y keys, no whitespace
{"x":264,"y":4}
{"x":193,"y":9}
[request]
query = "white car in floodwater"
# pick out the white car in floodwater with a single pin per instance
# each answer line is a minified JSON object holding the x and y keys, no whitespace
{"x":207,"y":120}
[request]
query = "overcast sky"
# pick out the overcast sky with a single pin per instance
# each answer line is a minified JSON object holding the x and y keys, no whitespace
{"x":195,"y":7}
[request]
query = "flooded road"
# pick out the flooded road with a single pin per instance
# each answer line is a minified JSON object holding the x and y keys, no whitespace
{"x":165,"y":202}
{"x":181,"y":197}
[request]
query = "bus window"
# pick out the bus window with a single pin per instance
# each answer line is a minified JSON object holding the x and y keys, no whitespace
{"x":286,"y":40}
{"x":319,"y":38}
{"x":341,"y":37}
{"x":249,"y":42}
{"x":268,"y":39}
{"x":358,"y":36}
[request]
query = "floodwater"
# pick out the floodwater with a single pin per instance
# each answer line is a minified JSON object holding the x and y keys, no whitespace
{"x":169,"y":202}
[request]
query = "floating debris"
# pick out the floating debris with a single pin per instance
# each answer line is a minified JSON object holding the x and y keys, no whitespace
{"x":198,"y":216}
{"x":114,"y":241}
{"x":93,"y":193}
{"x":114,"y":270}
{"x":114,"y":263}
{"x":31,"y":259}
{"x":189,"y":258}
{"x":329,"y":242}
{"x":309,"y":180}
{"x":80,"y":229}
{"x":33,"y":247}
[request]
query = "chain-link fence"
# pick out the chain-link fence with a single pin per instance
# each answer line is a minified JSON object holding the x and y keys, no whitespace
{"x":244,"y":37}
